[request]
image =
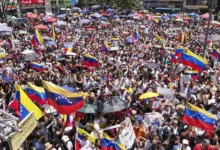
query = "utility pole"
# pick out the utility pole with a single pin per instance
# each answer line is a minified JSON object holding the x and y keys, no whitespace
{"x":207,"y":30}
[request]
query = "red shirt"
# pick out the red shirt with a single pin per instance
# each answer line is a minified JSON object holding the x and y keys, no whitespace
{"x":199,"y":147}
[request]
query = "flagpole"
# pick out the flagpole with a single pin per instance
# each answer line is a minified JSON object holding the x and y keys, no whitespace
{"x":207,"y":30}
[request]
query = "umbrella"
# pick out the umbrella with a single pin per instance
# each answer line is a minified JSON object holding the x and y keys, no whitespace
{"x":148,"y":95}
{"x":27,"y":51}
{"x":150,"y":18}
{"x":40,"y":26}
{"x":83,"y":21}
{"x":150,"y":65}
{"x":30,"y":15}
{"x":179,"y":19}
{"x":76,"y":8}
{"x":70,"y":54}
{"x":5,"y":29}
{"x":68,"y":88}
{"x":114,"y":104}
{"x":61,"y":15}
{"x":60,"y":23}
{"x":30,"y":57}
{"x":22,"y":32}
{"x":206,"y":16}
{"x":109,"y":10}
{"x":96,"y":15}
{"x":50,"y":19}
{"x":84,"y":11}
{"x":173,"y":15}
{"x":61,"y":59}
{"x":49,"y":14}
{"x":88,"y":109}
{"x":215,"y":23}
{"x":104,"y":18}
{"x":115,"y":17}
{"x":192,"y":14}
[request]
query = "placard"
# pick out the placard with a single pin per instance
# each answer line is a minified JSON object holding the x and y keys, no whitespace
{"x":154,"y":119}
{"x":27,"y":126}
{"x":127,"y":135}
{"x":165,"y":91}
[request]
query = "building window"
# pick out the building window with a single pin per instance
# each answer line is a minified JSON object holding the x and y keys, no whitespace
{"x":60,"y":2}
{"x":53,"y":2}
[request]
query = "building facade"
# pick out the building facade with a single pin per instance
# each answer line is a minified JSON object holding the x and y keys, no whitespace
{"x":151,"y":4}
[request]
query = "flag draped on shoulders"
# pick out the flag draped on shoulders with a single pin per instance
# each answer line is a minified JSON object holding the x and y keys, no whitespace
{"x":36,"y":94}
{"x":63,"y":101}
{"x":200,"y":118}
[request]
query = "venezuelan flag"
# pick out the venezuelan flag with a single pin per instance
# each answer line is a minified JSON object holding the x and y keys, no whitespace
{"x":179,"y":52}
{"x":182,"y":36}
{"x":79,"y":135}
{"x":36,"y":94}
{"x":15,"y":104}
{"x":63,"y":101}
{"x":37,"y":38}
{"x":37,"y":66}
{"x":110,"y":139}
{"x":192,"y":73}
{"x":27,"y":106}
{"x":135,"y":37}
{"x":192,"y":60}
{"x":166,"y":35}
{"x":109,"y":145}
{"x":90,"y":60}
{"x":195,"y":116}
{"x":53,"y":33}
{"x":105,"y":46}
{"x":216,"y":53}
{"x":173,"y":58}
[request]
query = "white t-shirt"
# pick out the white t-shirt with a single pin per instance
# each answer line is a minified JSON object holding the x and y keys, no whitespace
{"x":69,"y":145}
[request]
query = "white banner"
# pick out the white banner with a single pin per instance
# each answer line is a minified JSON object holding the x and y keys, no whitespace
{"x":154,"y":119}
{"x":127,"y":135}
{"x":164,"y":91}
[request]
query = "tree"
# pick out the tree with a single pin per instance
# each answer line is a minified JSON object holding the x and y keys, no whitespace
{"x":4,"y":8}
{"x":127,"y":4}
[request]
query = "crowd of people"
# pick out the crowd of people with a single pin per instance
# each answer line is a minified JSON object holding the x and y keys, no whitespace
{"x":130,"y":67}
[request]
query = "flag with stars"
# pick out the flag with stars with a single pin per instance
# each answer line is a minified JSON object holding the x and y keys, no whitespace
{"x":200,"y":118}
{"x":107,"y":144}
{"x":36,"y":94}
{"x":63,"y":101}
{"x":79,"y":134}
{"x":27,"y":106}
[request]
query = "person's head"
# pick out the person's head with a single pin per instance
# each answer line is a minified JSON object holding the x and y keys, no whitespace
{"x":185,"y":143}
{"x":205,"y":144}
